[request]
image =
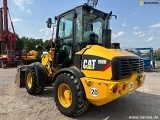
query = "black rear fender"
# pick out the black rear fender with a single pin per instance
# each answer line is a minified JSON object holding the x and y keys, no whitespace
{"x":73,"y":70}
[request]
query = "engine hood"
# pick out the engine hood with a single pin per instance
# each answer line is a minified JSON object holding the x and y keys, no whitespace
{"x":100,"y":51}
{"x":99,"y":62}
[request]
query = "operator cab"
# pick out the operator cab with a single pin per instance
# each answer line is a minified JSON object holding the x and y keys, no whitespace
{"x":78,"y":28}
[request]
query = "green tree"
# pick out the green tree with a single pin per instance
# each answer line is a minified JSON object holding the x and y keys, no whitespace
{"x":30,"y":43}
{"x":33,"y":42}
{"x":47,"y":44}
{"x":25,"y":42}
{"x":19,"y":43}
{"x":157,"y":56}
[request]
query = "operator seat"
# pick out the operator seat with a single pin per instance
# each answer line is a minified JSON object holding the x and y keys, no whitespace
{"x":93,"y":38}
{"x":89,"y":38}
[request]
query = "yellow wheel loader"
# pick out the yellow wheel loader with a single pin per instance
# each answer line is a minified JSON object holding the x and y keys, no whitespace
{"x":84,"y":66}
{"x":30,"y":56}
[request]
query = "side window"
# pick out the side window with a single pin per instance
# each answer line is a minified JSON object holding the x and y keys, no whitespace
{"x":79,"y":25}
{"x":97,"y":29}
{"x":66,"y":26}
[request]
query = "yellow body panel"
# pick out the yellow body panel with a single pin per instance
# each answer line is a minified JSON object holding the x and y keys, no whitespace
{"x":47,"y":61}
{"x":105,"y":87}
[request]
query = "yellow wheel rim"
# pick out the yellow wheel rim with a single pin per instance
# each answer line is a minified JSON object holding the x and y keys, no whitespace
{"x":29,"y":80}
{"x":64,"y":95}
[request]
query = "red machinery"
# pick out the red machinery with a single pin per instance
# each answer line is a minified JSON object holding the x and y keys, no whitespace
{"x":7,"y":39}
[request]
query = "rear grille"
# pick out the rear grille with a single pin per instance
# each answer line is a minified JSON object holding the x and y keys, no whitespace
{"x":122,"y":67}
{"x":129,"y":66}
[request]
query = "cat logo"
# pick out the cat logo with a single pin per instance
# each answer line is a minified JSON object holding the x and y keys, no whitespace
{"x":89,"y":64}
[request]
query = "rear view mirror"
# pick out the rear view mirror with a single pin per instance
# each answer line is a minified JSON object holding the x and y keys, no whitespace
{"x":49,"y":22}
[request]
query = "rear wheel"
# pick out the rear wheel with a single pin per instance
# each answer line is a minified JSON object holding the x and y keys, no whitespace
{"x":31,"y":82}
{"x":69,"y":95}
{"x":64,"y":95}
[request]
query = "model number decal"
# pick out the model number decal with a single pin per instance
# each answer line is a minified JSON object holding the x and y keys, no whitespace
{"x":102,"y":61}
{"x":94,"y":92}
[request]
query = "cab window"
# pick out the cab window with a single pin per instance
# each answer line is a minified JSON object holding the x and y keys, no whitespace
{"x":66,"y":26}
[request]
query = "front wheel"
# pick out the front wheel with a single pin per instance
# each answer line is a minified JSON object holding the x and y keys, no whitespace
{"x":69,"y":95}
{"x":31,"y":82}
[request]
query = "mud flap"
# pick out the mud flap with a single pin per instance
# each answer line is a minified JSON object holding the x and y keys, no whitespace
{"x":20,"y":75}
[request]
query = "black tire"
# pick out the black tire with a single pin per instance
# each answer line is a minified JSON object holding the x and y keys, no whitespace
{"x":34,"y":89}
{"x":79,"y":102}
{"x":147,"y":69}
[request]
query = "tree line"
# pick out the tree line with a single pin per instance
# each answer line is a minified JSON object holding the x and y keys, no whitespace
{"x":26,"y":43}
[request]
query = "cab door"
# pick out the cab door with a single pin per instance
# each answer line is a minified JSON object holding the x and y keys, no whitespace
{"x":64,"y":39}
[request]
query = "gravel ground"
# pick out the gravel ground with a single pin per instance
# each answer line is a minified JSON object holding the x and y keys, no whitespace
{"x":17,"y":104}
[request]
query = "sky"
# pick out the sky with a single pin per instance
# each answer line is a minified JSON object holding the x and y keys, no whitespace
{"x":135,"y":26}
